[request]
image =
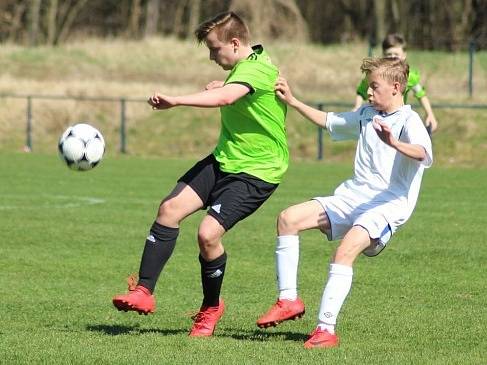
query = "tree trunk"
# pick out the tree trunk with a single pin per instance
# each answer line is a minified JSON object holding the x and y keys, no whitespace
{"x":194,"y":16}
{"x":380,"y":18}
{"x":151,"y":17}
{"x":68,"y":21}
{"x":134,"y":20}
{"x":34,"y":10}
{"x":51,"y":21}
{"x":178,"y":24}
{"x":14,"y":23}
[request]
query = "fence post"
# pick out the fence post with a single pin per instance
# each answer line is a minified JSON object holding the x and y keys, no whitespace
{"x":471,"y":52}
{"x":123,"y":142}
{"x":28,"y":142}
{"x":320,"y":137}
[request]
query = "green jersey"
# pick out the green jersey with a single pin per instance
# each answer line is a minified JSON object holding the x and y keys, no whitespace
{"x":413,"y":85}
{"x":253,"y":134}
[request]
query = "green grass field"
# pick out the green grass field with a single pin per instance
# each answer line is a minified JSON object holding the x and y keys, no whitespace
{"x":69,"y":239}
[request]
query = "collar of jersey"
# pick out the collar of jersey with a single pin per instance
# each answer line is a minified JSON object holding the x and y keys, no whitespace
{"x":385,"y":115}
{"x":257,"y":50}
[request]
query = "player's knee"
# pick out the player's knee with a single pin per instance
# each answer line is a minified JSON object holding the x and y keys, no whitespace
{"x":167,"y":209}
{"x":285,"y":222}
{"x":207,"y":240}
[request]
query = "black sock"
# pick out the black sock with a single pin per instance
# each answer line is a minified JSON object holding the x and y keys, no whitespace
{"x":159,"y":246}
{"x":212,"y":279}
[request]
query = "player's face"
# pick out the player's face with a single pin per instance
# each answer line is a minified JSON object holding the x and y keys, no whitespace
{"x":380,"y":92}
{"x":224,"y":54}
{"x":395,"y":52}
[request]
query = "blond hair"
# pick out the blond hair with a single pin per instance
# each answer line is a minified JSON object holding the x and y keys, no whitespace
{"x":227,"y":26}
{"x":390,"y":69}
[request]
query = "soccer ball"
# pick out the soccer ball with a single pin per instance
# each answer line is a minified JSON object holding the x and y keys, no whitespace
{"x":81,"y":146}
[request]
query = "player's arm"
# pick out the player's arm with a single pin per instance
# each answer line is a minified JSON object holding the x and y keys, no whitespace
{"x":430,"y":116}
{"x":215,"y":97}
{"x":284,"y":93}
{"x":214,"y":84}
{"x":414,"y":151}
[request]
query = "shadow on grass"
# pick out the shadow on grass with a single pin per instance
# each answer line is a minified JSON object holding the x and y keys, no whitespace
{"x":247,"y":335}
{"x":115,"y":330}
{"x":262,"y":336}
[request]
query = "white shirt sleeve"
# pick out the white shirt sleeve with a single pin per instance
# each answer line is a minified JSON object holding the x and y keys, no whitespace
{"x":415,"y":133}
{"x":344,"y":126}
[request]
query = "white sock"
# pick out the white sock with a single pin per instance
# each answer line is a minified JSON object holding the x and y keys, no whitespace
{"x":336,"y":290}
{"x":287,"y":259}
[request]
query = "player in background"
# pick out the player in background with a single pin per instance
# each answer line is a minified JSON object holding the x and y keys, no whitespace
{"x":392,"y":151}
{"x":240,"y":174}
{"x":394,"y":45}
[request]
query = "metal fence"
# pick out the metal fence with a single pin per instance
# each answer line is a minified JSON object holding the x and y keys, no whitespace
{"x":122,"y":102}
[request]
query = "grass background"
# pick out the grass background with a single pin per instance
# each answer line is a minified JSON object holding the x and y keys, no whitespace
{"x":68,"y":240}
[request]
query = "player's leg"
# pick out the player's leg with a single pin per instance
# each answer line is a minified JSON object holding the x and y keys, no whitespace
{"x":338,"y":286}
{"x":160,"y":242}
{"x":189,"y":195}
{"x":213,"y":260}
{"x":159,"y":245}
{"x":235,"y":197}
{"x":291,"y":221}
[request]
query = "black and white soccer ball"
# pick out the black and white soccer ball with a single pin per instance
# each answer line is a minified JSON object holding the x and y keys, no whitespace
{"x":81,"y":146}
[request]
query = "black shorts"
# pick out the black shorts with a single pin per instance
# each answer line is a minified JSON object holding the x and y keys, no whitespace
{"x":230,"y":197}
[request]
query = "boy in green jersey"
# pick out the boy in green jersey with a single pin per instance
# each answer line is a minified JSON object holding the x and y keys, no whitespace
{"x":394,"y":45}
{"x":240,"y":174}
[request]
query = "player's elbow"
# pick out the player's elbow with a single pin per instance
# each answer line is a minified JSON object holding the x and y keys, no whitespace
{"x":421,"y":156}
{"x":226,"y":100}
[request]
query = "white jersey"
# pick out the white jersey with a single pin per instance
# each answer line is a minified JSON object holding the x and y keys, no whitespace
{"x":384,"y":179}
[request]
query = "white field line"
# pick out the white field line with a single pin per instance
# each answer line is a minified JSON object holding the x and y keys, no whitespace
{"x":49,"y":201}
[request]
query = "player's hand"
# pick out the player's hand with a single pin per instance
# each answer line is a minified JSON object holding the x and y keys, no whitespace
{"x":431,"y":122}
{"x":160,"y":101}
{"x":384,"y":132}
{"x":283,"y":90}
{"x":214,"y":85}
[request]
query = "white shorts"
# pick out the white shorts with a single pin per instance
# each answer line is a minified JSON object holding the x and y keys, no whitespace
{"x":344,"y":213}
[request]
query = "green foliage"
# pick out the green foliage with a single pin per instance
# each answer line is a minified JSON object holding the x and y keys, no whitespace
{"x":69,"y":239}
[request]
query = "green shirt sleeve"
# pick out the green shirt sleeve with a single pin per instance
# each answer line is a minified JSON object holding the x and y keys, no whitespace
{"x":362,"y":88}
{"x":414,"y":85}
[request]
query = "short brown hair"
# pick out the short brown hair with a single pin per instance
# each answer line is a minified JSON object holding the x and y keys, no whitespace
{"x":227,"y":25}
{"x":394,"y":40}
{"x":390,"y":69}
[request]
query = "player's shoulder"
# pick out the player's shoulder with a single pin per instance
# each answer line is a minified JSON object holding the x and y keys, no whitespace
{"x":410,"y":115}
{"x":367,"y":111}
{"x":414,"y":75}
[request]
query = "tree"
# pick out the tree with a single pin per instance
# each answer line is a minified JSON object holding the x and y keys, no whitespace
{"x":33,"y":21}
{"x":151,"y":17}
{"x":271,"y":19}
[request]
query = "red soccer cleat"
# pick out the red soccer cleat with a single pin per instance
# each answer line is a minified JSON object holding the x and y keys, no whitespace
{"x":283,"y":310}
{"x":321,"y":338}
{"x":206,"y":319}
{"x":138,"y":299}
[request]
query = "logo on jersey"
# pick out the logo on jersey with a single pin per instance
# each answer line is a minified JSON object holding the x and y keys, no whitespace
{"x":217,"y":208}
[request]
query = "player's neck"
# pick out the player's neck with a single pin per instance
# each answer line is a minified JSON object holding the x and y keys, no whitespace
{"x":394,"y":106}
{"x":245,"y":52}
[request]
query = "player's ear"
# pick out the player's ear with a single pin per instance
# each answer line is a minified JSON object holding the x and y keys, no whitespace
{"x":236,"y":44}
{"x":396,"y":88}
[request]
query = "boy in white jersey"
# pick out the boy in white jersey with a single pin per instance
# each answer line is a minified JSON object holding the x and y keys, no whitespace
{"x":392,"y":151}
